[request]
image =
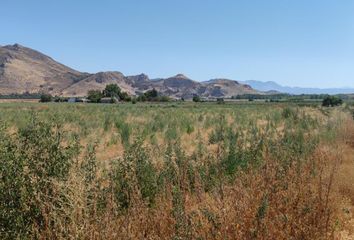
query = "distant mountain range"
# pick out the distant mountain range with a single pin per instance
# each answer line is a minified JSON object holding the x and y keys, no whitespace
{"x":26,"y":70}
{"x":275,"y":87}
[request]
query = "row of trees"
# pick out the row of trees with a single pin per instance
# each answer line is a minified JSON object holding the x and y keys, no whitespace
{"x":285,"y":96}
{"x":152,"y":96}
{"x":114,"y":92}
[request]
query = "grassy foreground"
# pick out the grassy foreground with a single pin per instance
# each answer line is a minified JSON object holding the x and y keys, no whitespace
{"x":175,"y":171}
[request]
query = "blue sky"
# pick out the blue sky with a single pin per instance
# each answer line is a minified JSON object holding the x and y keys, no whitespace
{"x":306,"y":43}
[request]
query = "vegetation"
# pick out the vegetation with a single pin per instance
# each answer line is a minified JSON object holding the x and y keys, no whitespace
{"x":94,"y":96}
{"x":331,"y":101}
{"x":112,"y":90}
{"x":152,"y":96}
{"x":173,"y":171}
{"x":25,"y":95}
{"x":289,"y":98}
{"x":46,"y":98}
{"x":196,"y":98}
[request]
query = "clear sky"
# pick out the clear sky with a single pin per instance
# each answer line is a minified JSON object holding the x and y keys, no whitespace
{"x":307,"y":43}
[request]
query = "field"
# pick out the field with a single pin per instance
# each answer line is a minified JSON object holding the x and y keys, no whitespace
{"x":241,"y":170}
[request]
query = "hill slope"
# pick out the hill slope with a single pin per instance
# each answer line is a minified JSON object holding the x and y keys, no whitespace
{"x":25,"y":70}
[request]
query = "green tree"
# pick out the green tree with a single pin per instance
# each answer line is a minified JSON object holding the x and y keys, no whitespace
{"x":151,"y":94}
{"x":196,"y":98}
{"x":112,"y":90}
{"x":124,"y":96}
{"x":331,"y":101}
{"x":46,"y":98}
{"x":94,"y":96}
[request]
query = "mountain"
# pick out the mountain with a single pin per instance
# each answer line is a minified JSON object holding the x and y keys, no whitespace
{"x":225,"y":87}
{"x":177,"y":86}
{"x":273,"y":86}
{"x":25,"y":70}
{"x":97,"y":81}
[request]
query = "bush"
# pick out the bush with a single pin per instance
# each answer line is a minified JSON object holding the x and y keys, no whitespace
{"x":220,"y":101}
{"x":331,"y":101}
{"x":30,"y":161}
{"x":152,"y":96}
{"x":60,"y":99}
{"x":124,"y":96}
{"x":46,"y":98}
{"x":164,"y":99}
{"x":196,"y":98}
{"x":141,"y":98}
{"x":134,"y":176}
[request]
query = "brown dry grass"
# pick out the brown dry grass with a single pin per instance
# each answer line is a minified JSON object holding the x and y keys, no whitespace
{"x":344,"y":184}
{"x":259,"y":204}
{"x":314,"y":200}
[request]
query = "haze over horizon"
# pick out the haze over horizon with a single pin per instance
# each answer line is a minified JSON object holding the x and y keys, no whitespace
{"x":302,"y":43}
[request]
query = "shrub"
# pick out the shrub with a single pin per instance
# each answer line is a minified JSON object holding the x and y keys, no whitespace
{"x":331,"y":101}
{"x":196,"y":98}
{"x":141,"y":98}
{"x":60,"y":99}
{"x":151,"y":94}
{"x":220,"y":101}
{"x":134,"y":176}
{"x":46,"y":98}
{"x":124,"y":96}
{"x":164,"y":99}
{"x":31,"y":160}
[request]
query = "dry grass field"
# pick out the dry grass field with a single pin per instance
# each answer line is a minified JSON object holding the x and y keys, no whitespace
{"x":176,"y":171}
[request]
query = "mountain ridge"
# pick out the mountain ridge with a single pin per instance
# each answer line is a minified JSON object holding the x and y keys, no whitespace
{"x":266,"y":86}
{"x":26,"y":70}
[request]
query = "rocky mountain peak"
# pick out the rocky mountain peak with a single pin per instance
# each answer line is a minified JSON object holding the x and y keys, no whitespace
{"x":181,"y":76}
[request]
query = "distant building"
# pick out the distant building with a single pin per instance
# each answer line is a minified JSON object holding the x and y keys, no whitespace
{"x":72,"y":100}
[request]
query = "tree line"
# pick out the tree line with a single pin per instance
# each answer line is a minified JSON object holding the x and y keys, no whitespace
{"x":113,"y":93}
